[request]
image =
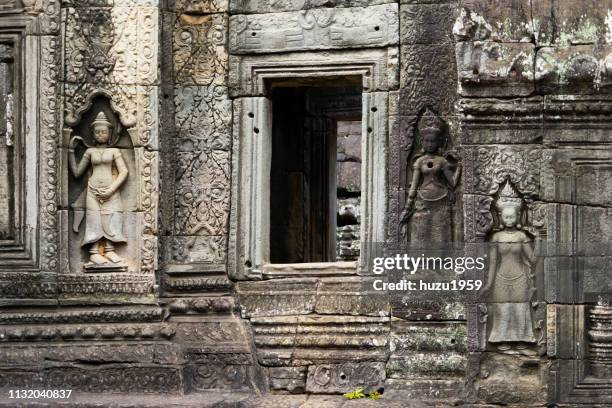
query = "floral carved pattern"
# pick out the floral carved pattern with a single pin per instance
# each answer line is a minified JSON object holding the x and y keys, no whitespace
{"x":202,"y":194}
{"x":48,"y":152}
{"x":494,"y":166}
{"x":200,"y":55}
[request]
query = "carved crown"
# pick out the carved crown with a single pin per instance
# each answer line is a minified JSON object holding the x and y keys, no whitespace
{"x":509,"y":198}
{"x":429,"y":122}
{"x":101,"y":119}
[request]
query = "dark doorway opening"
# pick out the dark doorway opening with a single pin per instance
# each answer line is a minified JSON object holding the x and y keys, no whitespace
{"x":315,"y":181}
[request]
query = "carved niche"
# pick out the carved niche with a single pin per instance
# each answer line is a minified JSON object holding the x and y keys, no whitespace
{"x":108,"y":181}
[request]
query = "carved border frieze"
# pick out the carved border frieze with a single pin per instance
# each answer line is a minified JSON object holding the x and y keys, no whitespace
{"x":378,"y":69}
{"x":315,"y":29}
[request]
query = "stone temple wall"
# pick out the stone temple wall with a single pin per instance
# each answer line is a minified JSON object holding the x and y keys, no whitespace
{"x":139,"y":263}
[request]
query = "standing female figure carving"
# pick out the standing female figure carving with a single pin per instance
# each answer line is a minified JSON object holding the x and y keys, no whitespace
{"x":101,"y":198}
{"x":427,"y":215}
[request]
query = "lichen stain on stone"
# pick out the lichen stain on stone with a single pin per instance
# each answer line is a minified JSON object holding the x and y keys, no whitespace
{"x":586,"y":32}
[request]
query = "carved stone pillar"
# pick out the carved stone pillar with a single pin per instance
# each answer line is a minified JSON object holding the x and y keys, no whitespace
{"x":600,"y":341}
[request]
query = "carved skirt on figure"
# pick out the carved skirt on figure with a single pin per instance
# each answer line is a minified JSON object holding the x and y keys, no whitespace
{"x":431,"y":221}
{"x":511,"y":310}
{"x":102,"y":220}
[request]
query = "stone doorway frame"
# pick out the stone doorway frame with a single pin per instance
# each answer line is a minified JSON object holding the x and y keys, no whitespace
{"x":249,"y":239}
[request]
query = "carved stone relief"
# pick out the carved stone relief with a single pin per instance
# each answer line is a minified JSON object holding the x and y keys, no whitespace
{"x":100,"y":202}
{"x":115,"y":45}
{"x":200,"y":49}
{"x":203,"y":118}
{"x":487,"y":168}
{"x":134,"y":178}
{"x":434,"y":175}
{"x":510,"y":285}
{"x":315,"y":29}
{"x":580,"y":69}
{"x":200,"y":7}
{"x":378,"y":68}
{"x":335,"y":378}
{"x":271,"y":6}
{"x":600,"y":349}
{"x":202,"y":194}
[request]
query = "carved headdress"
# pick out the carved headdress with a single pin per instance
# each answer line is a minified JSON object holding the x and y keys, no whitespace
{"x":429,"y":123}
{"x":509,"y":198}
{"x":101,"y":119}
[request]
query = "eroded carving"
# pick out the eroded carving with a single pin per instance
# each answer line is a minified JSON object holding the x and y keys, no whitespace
{"x":202,"y":193}
{"x":511,"y":281}
{"x":427,"y":214}
{"x":323,"y":28}
{"x":113,"y":45}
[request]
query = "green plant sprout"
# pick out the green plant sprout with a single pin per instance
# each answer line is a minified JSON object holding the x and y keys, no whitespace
{"x":358,"y":393}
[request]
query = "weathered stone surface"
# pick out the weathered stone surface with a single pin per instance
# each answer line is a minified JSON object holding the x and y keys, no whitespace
{"x":196,"y":7}
{"x":104,"y":45}
{"x":575,"y":118}
{"x":526,"y":390}
{"x":200,"y":49}
{"x":203,"y":118}
{"x":265,"y":6}
{"x":490,"y":69}
{"x":579,"y":69}
{"x":378,"y":69}
{"x":567,"y":22}
{"x":495,"y":20}
{"x":432,"y":351}
{"x":86,"y":333}
{"x":216,"y":374}
{"x":566,"y":334}
{"x":452,"y":391}
{"x":427,"y":23}
{"x":341,"y":378}
{"x":292,"y":379}
{"x":291,"y":296}
{"x":427,"y":336}
{"x":502,"y":121}
{"x":433,"y":366}
{"x":207,"y":249}
{"x":578,"y":177}
{"x":581,"y":279}
{"x":427,"y":79}
{"x":349,"y":141}
{"x":202,"y":193}
{"x":354,"y":296}
{"x":92,"y":353}
{"x":348,"y":176}
{"x":136,"y":378}
{"x":316,"y":29}
{"x":486,"y":168}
